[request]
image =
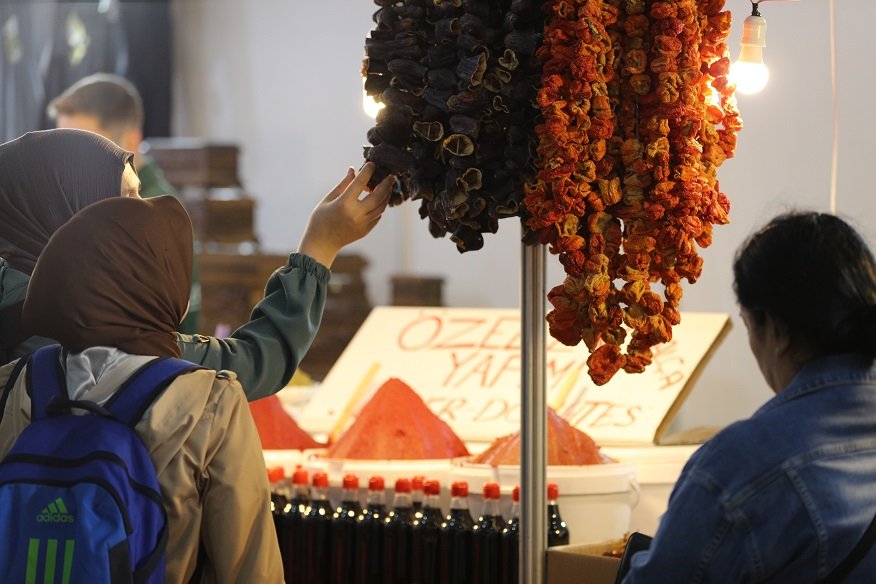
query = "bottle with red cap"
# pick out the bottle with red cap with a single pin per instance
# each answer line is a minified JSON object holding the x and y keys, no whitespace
{"x":485,"y":537}
{"x":397,"y":536}
{"x":369,"y":535}
{"x":454,"y":539}
{"x":418,"y":495}
{"x":558,"y":532}
{"x":292,"y":522}
{"x":343,"y":531}
{"x":509,"y":553}
{"x":279,"y":494}
{"x":317,"y":532}
{"x":424,"y":536}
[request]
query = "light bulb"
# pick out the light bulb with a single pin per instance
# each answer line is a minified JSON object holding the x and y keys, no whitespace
{"x":748,"y":72}
{"x":369,"y":104}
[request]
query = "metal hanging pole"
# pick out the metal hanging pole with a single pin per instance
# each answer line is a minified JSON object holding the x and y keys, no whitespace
{"x":533,"y":433}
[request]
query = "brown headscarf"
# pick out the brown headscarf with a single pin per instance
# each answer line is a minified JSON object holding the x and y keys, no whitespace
{"x":117,"y":274}
{"x":46,"y":177}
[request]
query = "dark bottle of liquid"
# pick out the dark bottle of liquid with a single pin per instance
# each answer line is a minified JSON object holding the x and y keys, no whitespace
{"x":397,"y":536}
{"x":317,"y":532}
{"x":454,"y":539}
{"x":344,"y":532}
{"x":292,"y":525}
{"x":279,"y":500}
{"x":558,"y":532}
{"x":485,"y":537}
{"x":279,"y":497}
{"x":509,"y":552}
{"x":418,"y":495}
{"x":424,"y":536}
{"x":369,"y":535}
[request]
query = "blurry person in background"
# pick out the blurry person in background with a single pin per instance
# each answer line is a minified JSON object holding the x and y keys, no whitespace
{"x":111,"y":106}
{"x":788,"y":494}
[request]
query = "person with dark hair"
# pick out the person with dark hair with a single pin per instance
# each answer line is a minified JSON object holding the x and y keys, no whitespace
{"x":47,"y":176}
{"x":111,"y":286}
{"x":111,"y":106}
{"x":788,"y":495}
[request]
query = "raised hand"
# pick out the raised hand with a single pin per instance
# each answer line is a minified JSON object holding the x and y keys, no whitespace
{"x":344,"y":216}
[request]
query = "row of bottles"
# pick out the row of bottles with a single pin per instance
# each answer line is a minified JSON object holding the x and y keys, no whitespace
{"x":410,"y":542}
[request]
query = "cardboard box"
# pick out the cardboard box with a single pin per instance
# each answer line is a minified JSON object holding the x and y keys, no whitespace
{"x":581,"y":564}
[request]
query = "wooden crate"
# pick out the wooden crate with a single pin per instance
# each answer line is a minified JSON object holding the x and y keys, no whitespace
{"x":346,"y":308}
{"x":232,"y":284}
{"x":223,"y":220}
{"x":195,"y":162}
{"x":417,"y":291}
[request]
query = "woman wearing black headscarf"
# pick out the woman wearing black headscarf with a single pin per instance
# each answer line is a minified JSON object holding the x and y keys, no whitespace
{"x":125,"y":268}
{"x":45,"y":177}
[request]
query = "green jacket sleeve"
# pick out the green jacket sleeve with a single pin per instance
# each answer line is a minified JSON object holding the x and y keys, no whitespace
{"x":13,"y":287}
{"x":266,"y":351}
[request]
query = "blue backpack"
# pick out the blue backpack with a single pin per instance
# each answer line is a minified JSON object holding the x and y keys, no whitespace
{"x":79,"y":496}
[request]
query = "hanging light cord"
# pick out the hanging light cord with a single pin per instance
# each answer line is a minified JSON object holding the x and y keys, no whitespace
{"x":755,"y":8}
{"x":834,"y":154}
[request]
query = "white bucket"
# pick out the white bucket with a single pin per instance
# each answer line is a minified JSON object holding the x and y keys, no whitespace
{"x":657,"y":470}
{"x":596,"y":501}
{"x":288,"y":459}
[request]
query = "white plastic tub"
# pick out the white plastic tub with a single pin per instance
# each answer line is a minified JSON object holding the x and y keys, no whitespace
{"x":596,"y":501}
{"x":288,"y":459}
{"x":657,"y":470}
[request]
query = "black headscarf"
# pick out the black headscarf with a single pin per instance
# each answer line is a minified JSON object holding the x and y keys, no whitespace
{"x":45,"y":178}
{"x":117,"y":274}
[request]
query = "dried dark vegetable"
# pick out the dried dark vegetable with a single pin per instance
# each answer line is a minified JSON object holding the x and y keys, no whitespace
{"x":458,"y":81}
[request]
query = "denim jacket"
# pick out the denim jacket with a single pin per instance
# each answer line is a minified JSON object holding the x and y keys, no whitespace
{"x":783,"y":496}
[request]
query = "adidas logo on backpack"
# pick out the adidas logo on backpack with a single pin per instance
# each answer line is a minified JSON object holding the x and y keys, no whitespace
{"x":55,"y":512}
{"x":79,"y":496}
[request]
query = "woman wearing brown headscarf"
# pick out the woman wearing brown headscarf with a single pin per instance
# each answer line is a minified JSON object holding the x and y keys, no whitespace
{"x":125,"y":268}
{"x":45,"y":177}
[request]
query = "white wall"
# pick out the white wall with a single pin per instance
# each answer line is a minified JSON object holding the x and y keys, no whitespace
{"x":281,"y":78}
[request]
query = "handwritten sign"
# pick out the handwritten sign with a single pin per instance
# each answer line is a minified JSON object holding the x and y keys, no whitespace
{"x":465,"y":364}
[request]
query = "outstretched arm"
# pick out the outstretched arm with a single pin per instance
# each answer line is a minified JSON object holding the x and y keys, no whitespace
{"x":266,"y":351}
{"x":344,"y":216}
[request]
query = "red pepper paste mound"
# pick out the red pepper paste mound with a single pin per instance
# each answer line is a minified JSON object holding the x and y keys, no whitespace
{"x":397,"y":424}
{"x":566,"y":446}
{"x":277,"y":429}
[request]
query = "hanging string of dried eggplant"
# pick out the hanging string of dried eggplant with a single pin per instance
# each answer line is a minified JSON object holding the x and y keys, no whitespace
{"x":457,"y":78}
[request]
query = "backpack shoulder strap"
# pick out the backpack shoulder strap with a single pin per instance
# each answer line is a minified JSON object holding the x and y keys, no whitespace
{"x":11,"y":330}
{"x":10,"y":383}
{"x":45,"y":379}
{"x":132,"y":400}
